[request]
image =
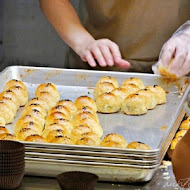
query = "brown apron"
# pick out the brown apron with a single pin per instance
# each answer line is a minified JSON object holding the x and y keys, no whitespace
{"x":139,"y":27}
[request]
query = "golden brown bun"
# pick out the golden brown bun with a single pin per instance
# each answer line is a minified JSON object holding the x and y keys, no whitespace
{"x":180,"y":133}
{"x":3,"y":130}
{"x":92,"y":136}
{"x":32,"y":125}
{"x":56,"y":115}
{"x":86,"y":141}
{"x":10,"y":103}
{"x":130,"y":88}
{"x":83,"y":101}
{"x":69,"y":104}
{"x":36,"y":114}
{"x":185,"y":125}
{"x":2,"y":120}
{"x":111,"y":144}
{"x":134,"y":105}
{"x":62,"y":140}
{"x":174,"y":142}
{"x":35,"y":138}
{"x":38,"y":107}
{"x":78,"y":131}
{"x":115,"y":138}
{"x":61,"y":109}
{"x":8,"y":136}
{"x":49,"y":87}
{"x":52,"y":134}
{"x":21,"y":93}
{"x":94,"y":126}
{"x":66,"y":123}
{"x":54,"y":127}
{"x":108,"y":103}
{"x":87,"y":109}
{"x":47,"y":97}
{"x":102,"y":88}
{"x":25,"y":132}
{"x":149,"y":97}
{"x":138,"y":145}
{"x":6,"y":112}
{"x":12,"y":95}
{"x":110,"y":80}
{"x":83,"y":115}
{"x":160,"y":94}
{"x":15,"y":82}
{"x":135,"y":81}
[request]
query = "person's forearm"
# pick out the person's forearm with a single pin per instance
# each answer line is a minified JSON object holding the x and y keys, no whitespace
{"x":65,"y":21}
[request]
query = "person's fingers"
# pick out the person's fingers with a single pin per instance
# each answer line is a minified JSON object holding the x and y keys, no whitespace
{"x":90,"y":59}
{"x":98,"y":56}
{"x":167,"y":53}
{"x":123,"y":64}
{"x":107,"y":55}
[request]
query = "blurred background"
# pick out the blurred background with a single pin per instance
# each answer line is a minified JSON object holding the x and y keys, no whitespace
{"x":27,"y":38}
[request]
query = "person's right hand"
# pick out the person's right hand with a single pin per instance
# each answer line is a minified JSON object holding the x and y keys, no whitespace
{"x":103,"y":52}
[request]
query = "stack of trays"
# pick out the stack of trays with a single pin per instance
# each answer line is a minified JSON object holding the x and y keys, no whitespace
{"x":156,"y":128}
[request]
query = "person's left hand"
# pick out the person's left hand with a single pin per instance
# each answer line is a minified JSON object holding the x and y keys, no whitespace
{"x":175,"y":54}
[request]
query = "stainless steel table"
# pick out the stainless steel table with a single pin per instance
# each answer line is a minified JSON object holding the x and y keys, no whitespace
{"x":162,"y":180}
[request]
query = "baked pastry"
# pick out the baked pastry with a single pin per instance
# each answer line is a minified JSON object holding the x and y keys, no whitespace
{"x":111,"y":144}
{"x":115,"y":138}
{"x":102,"y":88}
{"x":47,"y":97}
{"x":135,"y":81}
{"x":14,"y":82}
{"x":86,"y":141}
{"x":12,"y":95}
{"x":131,"y":88}
{"x":164,"y":71}
{"x":83,"y":115}
{"x":32,"y":125}
{"x":51,"y":135}
{"x":185,"y":125}
{"x":108,"y":103}
{"x":21,"y":93}
{"x":62,"y":140}
{"x":69,"y":104}
{"x":39,"y":101}
{"x":3,"y":130}
{"x":160,"y":94}
{"x":93,"y":136}
{"x":25,"y":132}
{"x":94,"y":126}
{"x":36,"y":114}
{"x":38,"y":107}
{"x":35,"y":138}
{"x":78,"y":131}
{"x":2,"y":120}
{"x":138,"y":145}
{"x":134,"y":105}
{"x":66,"y":123}
{"x":174,"y":142}
{"x":8,"y":136}
{"x":181,"y":133}
{"x":110,"y":80}
{"x":56,"y":115}
{"x":10,"y":103}
{"x":48,"y":87}
{"x":62,"y":109}
{"x":149,"y":97}
{"x":6,"y":112}
{"x":83,"y":101}
{"x":86,"y":109}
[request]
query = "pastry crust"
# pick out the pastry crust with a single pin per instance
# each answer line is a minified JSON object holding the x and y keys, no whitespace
{"x":62,"y":140}
{"x":160,"y":94}
{"x":87,"y":109}
{"x":35,"y":138}
{"x":135,"y":81}
{"x":165,"y":72}
{"x":181,"y":133}
{"x":185,"y":125}
{"x":110,"y":80}
{"x":101,"y":88}
{"x":138,"y":145}
{"x":92,"y":136}
{"x":8,"y":136}
{"x":52,"y":134}
{"x":25,"y":132}
{"x":111,"y":144}
{"x":174,"y":142}
{"x":134,"y":105}
{"x":6,"y":112}
{"x":14,"y":82}
{"x":108,"y":103}
{"x":131,"y":88}
{"x":86,"y":141}
{"x":3,"y":130}
{"x":10,"y":103}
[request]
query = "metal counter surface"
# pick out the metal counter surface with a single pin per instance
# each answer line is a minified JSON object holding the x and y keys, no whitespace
{"x":162,"y":180}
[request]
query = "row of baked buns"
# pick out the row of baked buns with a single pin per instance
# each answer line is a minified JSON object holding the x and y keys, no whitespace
{"x":132,"y":97}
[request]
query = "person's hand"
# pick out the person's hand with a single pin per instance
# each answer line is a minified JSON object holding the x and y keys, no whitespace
{"x":103,"y":52}
{"x":175,"y":55}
